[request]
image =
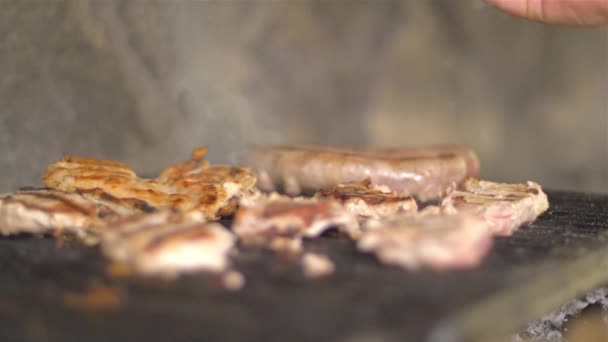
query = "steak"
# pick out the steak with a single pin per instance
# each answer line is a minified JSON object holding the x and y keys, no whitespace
{"x":425,"y":172}
{"x":504,"y":207}
{"x":369,"y":201}
{"x":438,"y":241}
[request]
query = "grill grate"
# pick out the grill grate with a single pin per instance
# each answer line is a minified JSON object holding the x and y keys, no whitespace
{"x":542,"y":266}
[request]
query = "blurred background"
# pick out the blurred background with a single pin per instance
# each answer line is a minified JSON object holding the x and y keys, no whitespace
{"x":145,"y":82}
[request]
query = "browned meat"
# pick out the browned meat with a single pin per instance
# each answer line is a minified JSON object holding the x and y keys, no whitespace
{"x":52,"y":211}
{"x":168,"y":243}
{"x":280,"y":223}
{"x":117,"y":207}
{"x":438,"y":241}
{"x":505,"y":207}
{"x":192,"y":185}
{"x":369,"y":201}
{"x":425,"y":172}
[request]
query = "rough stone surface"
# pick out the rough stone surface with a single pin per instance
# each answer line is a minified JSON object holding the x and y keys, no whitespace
{"x":146,"y":81}
{"x":551,"y":326}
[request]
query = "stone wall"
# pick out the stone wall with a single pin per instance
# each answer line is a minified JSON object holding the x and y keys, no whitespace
{"x":146,"y":81}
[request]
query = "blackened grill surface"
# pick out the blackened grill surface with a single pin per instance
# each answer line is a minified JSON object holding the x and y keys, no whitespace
{"x":564,"y":253}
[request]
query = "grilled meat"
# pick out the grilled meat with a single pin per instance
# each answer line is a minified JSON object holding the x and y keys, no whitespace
{"x":368,"y":201}
{"x":119,"y":207}
{"x":280,"y":223}
{"x":426,"y":172}
{"x":505,"y":207}
{"x":192,"y":185}
{"x":168,"y":243}
{"x":49,"y":211}
{"x":438,"y":241}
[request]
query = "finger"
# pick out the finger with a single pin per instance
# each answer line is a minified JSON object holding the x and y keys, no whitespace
{"x":567,"y":12}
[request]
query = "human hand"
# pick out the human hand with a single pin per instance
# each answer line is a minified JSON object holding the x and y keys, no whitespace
{"x":566,"y":12}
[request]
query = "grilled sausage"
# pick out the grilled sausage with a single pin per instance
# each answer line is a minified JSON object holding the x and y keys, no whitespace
{"x":426,"y":172}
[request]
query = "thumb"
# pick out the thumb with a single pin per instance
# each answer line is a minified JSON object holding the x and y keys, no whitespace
{"x":567,"y":12}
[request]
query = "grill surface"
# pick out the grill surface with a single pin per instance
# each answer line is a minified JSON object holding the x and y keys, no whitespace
{"x":560,"y":256}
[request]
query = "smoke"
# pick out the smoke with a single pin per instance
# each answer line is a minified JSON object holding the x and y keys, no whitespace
{"x":225,"y":121}
{"x":230,"y":74}
{"x":217,"y":86}
{"x":199,"y":89}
